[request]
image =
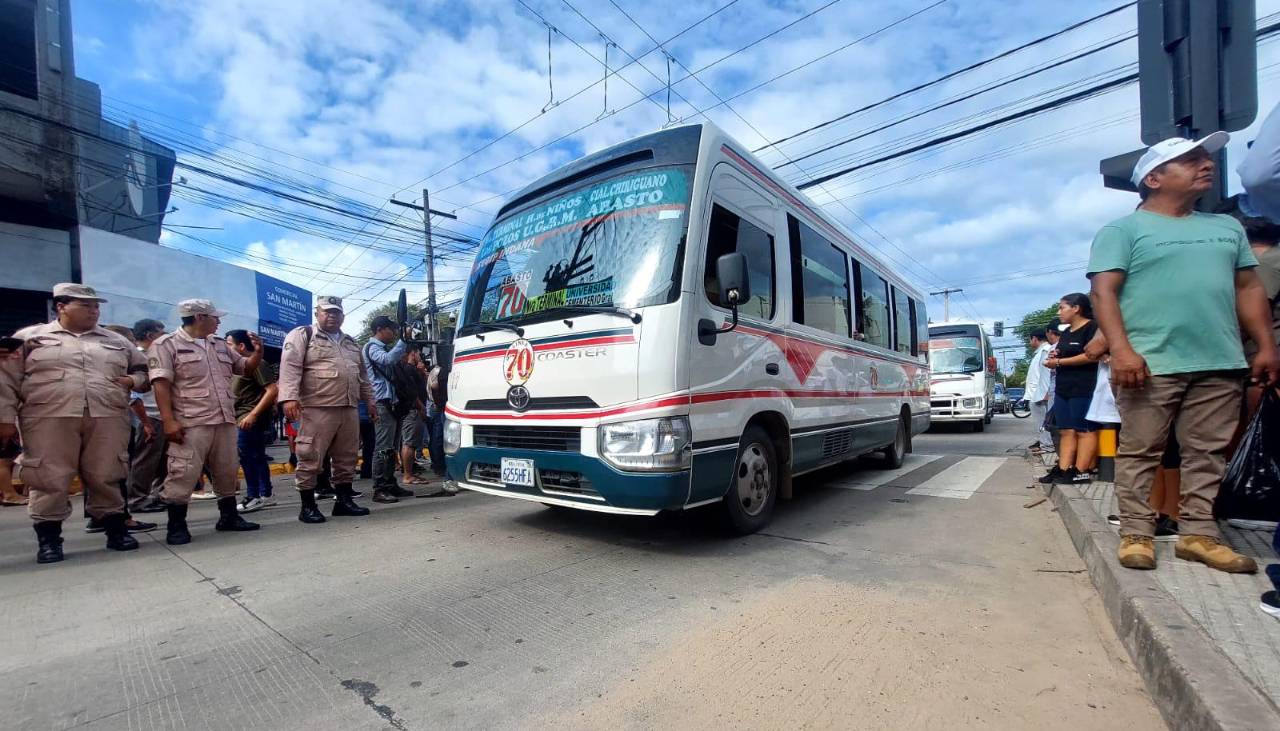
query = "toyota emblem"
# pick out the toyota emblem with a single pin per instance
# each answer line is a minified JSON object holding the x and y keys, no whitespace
{"x":518,"y":397}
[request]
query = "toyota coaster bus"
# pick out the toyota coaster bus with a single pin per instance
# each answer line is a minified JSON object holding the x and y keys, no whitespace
{"x":962,"y":388}
{"x":668,"y":324}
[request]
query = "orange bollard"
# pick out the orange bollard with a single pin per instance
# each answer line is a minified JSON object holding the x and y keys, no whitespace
{"x":1107,"y":454}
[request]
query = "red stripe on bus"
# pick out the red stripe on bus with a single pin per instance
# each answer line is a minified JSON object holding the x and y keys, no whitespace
{"x":697,"y":398}
{"x":609,"y":340}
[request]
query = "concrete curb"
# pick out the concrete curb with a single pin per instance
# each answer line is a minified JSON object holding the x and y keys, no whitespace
{"x":1193,"y":684}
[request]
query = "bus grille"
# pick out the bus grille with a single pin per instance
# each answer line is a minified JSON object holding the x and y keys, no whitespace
{"x":836,"y":443}
{"x":542,"y":438}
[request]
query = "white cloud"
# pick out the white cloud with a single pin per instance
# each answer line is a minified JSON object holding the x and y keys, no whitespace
{"x":378,"y":95}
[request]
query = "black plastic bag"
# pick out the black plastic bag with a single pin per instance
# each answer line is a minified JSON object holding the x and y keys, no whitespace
{"x":1251,"y":487}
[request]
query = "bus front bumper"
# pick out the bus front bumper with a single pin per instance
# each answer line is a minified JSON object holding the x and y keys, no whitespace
{"x":571,"y":480}
{"x":944,"y":409}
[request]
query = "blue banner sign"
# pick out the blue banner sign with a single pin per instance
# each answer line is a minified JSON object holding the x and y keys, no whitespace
{"x":281,"y":308}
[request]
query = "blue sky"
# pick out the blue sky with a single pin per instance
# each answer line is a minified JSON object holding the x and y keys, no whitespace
{"x":368,"y":97}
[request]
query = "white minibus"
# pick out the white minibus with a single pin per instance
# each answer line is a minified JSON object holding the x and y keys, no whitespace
{"x":668,"y":324}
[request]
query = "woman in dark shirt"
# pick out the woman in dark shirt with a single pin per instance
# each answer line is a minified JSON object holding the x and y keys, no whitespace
{"x":1077,"y":376}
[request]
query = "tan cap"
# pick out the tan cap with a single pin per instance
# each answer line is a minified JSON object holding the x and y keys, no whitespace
{"x":191,"y":308}
{"x":329,"y":302}
{"x":78,"y":291}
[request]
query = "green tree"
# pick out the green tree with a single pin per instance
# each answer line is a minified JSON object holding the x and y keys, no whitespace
{"x":1018,"y":378}
{"x":1032,"y":321}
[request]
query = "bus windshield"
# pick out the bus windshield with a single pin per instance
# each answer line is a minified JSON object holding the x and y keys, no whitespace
{"x":955,"y":355}
{"x":613,"y":243}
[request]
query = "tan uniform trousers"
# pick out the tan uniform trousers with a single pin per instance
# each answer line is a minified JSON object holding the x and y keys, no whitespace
{"x":56,"y":449}
{"x":212,"y":446}
{"x":1202,"y":409}
{"x":331,"y":430}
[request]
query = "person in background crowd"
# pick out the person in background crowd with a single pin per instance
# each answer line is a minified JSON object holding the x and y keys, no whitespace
{"x":68,"y":389}
{"x":1037,"y":390}
{"x":9,"y":496}
{"x":147,"y":458}
{"x":1172,"y":288}
{"x":438,"y":388}
{"x":138,"y":428}
{"x":383,"y":351}
{"x":411,"y":425}
{"x":1260,"y":172}
{"x":255,"y":398}
{"x":367,"y":437}
{"x":1077,"y":375}
{"x":322,"y":378}
{"x":191,"y":371}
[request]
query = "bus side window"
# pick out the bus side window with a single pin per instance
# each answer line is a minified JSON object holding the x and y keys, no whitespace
{"x":920,"y":326}
{"x":820,"y":280}
{"x":902,"y":322}
{"x":874,"y":321}
{"x":729,"y":233}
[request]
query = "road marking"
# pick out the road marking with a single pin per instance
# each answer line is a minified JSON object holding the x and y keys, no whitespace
{"x":960,"y":480}
{"x":871,"y":479}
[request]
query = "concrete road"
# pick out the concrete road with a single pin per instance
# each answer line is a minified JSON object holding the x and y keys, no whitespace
{"x":927,"y":597}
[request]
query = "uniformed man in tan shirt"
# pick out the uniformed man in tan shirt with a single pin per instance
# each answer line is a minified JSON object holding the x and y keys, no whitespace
{"x":69,"y":391}
{"x":322,"y":381}
{"x":191,"y":373}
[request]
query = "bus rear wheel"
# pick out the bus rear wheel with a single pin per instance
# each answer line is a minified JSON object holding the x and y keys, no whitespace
{"x":892,"y":456}
{"x":753,"y":488}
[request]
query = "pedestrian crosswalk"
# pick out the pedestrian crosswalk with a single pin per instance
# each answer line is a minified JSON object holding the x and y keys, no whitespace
{"x":960,"y":480}
{"x":871,"y":479}
{"x":957,"y":480}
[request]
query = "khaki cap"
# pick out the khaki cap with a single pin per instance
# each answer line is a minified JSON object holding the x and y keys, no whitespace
{"x":77,"y":291}
{"x":329,"y":302}
{"x":191,"y":308}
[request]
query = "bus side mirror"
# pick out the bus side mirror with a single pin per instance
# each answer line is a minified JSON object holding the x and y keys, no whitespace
{"x":991,"y":364}
{"x":735,"y":287}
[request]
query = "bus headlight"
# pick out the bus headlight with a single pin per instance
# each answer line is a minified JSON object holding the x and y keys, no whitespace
{"x":650,"y":445}
{"x":452,"y":436}
{"x":971,"y":403}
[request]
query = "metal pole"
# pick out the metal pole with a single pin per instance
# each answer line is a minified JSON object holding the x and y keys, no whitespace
{"x":946,"y":302}
{"x":431,"y":266}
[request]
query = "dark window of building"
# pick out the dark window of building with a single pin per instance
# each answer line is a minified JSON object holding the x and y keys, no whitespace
{"x":18,"y":48}
{"x":728,"y":233}
{"x":819,"y":280}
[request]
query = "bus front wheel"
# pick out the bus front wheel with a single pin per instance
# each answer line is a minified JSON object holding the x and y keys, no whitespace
{"x":753,"y":488}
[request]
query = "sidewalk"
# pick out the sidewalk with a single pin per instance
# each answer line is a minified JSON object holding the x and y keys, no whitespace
{"x":1209,"y":656}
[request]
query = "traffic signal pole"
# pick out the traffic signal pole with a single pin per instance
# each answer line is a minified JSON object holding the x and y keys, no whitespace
{"x":1197,"y":74}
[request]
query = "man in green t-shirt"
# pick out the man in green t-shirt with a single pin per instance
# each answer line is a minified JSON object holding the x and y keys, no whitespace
{"x":1172,"y":288}
{"x":255,"y":398}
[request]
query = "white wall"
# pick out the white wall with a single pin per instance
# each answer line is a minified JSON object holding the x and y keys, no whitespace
{"x":141,"y":279}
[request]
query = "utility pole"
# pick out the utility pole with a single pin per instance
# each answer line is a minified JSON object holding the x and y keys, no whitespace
{"x":427,"y":213}
{"x":946,"y":302}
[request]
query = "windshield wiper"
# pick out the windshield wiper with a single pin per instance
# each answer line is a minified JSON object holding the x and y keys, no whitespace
{"x":631,"y":315}
{"x":481,"y":327}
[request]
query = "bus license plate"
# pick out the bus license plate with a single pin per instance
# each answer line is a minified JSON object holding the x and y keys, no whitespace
{"x":517,"y":472}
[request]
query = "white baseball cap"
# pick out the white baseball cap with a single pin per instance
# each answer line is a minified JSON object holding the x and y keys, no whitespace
{"x":1166,"y":150}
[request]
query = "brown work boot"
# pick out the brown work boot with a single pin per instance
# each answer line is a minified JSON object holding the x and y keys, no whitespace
{"x":1213,"y":553}
{"x":1137,"y":552}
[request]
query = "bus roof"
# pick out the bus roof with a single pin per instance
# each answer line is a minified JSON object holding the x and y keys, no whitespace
{"x":681,"y":145}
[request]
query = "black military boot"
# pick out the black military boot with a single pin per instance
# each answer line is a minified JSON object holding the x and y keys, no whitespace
{"x":229,"y":517}
{"x":118,"y":538}
{"x":178,"y":535}
{"x":344,"y":503}
{"x":49,"y":534}
{"x":309,"y":513}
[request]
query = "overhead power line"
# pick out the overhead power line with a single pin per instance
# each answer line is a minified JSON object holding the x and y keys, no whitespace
{"x":949,"y":76}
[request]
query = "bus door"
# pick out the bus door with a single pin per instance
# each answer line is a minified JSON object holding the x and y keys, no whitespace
{"x":732,"y":371}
